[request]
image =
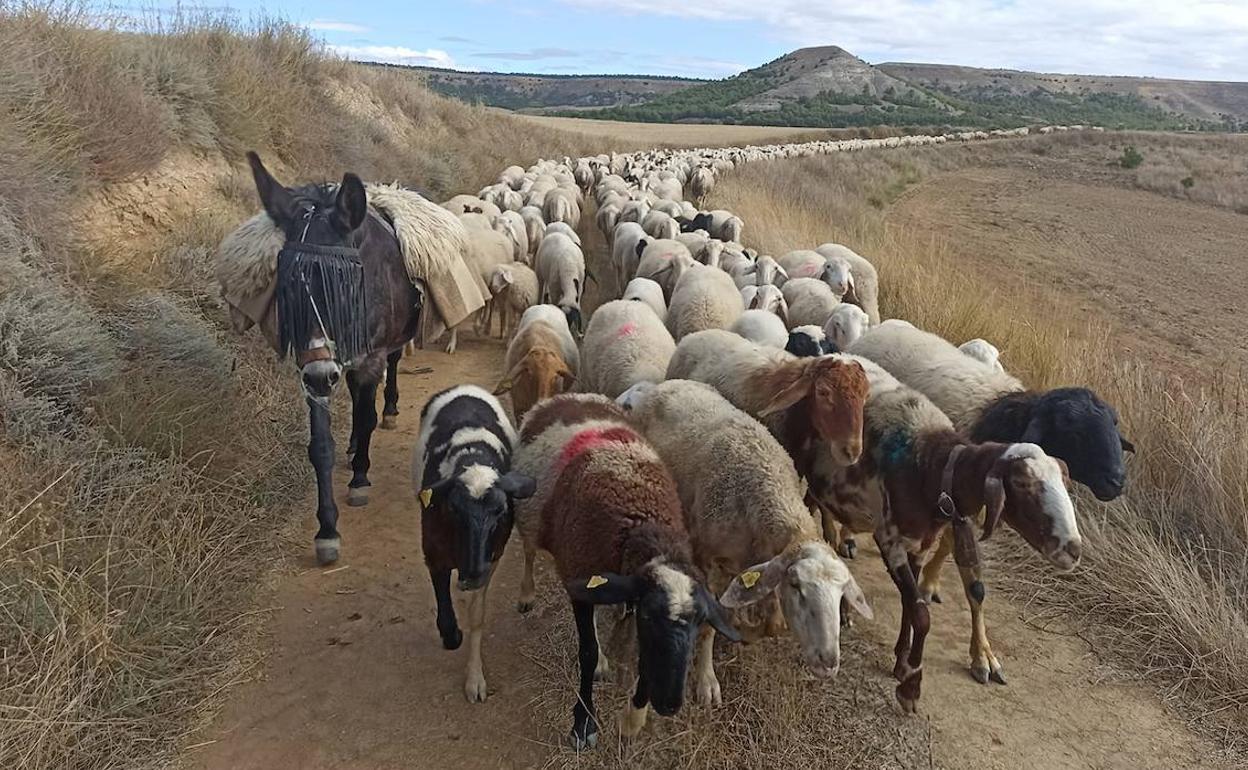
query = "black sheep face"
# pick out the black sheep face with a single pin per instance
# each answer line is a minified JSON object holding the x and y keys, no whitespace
{"x":1076,"y":426}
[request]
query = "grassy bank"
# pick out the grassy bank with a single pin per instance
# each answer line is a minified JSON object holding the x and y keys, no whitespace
{"x":151,"y":462}
{"x":1162,"y":589}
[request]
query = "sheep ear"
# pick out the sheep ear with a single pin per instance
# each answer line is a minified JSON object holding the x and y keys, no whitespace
{"x":754,"y":584}
{"x":994,"y":499}
{"x":604,"y":588}
{"x":508,"y":381}
{"x":517,"y":485}
{"x":754,"y":303}
{"x":788,"y":396}
{"x":857,"y":599}
{"x":1127,"y":446}
{"x":569,"y":379}
{"x":714,"y":613}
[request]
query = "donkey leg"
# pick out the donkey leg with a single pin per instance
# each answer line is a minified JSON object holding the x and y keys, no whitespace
{"x":353,"y":385}
{"x":390,"y":409}
{"x":321,"y":455}
{"x":363,"y":422}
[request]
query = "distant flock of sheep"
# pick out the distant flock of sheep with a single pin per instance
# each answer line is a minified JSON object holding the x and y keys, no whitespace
{"x":702,"y":449}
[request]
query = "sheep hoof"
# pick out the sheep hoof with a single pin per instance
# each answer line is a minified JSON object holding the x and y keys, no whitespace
{"x":584,"y":742}
{"x":848,"y":549}
{"x":524,"y":606}
{"x":997,"y":676}
{"x":357,"y":496}
{"x":979,"y":672}
{"x":327,"y":550}
{"x":389,"y":422}
{"x":602,"y":672}
{"x":452,"y":640}
{"x":908,"y":705}
{"x":474,"y":688}
{"x":935,"y":599}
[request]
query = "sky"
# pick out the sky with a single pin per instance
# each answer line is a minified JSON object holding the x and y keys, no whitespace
{"x":1197,"y":39}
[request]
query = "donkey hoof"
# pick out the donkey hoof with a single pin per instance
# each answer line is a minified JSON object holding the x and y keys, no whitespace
{"x":389,"y":422}
{"x":357,"y":496}
{"x":327,"y":550}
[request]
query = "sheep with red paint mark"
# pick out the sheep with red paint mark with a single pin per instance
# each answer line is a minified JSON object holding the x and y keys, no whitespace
{"x":625,"y":344}
{"x":461,"y":472}
{"x":608,"y":511}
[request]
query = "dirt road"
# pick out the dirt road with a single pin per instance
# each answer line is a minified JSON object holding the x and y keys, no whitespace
{"x":355,"y":677}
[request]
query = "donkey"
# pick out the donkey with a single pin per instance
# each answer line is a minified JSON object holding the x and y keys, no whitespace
{"x":345,"y":305}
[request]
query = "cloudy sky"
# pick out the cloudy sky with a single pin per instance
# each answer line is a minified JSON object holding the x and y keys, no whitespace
{"x":1203,"y":39}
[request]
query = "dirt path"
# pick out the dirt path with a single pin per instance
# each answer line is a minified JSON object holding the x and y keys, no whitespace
{"x":1169,"y":273}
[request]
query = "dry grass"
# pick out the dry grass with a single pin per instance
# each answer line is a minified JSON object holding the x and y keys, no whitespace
{"x":151,"y":463}
{"x":1164,"y":589}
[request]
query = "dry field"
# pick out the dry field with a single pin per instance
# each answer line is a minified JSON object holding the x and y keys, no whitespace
{"x":610,"y":134}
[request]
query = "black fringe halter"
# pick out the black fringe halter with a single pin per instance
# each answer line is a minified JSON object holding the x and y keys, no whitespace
{"x":320,"y":291}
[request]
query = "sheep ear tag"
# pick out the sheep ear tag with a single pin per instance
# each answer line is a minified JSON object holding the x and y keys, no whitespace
{"x":426,"y":497}
{"x":748,"y":579}
{"x":595,"y":581}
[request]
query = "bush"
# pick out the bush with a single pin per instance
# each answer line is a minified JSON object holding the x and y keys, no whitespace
{"x":1187,"y":182}
{"x":1131,"y":157}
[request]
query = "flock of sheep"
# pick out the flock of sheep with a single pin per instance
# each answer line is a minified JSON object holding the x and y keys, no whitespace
{"x":703,"y":449}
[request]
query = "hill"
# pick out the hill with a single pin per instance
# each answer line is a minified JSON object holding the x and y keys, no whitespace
{"x":829,"y":87}
{"x":1216,"y":102}
{"x":520,"y":91}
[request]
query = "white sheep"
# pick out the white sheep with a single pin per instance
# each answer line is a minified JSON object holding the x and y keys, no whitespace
{"x":846,"y":324}
{"x":514,"y":288}
{"x":762,"y":327}
{"x":983,"y":350}
{"x":625,"y":254}
{"x":534,"y":226}
{"x":804,"y":263}
{"x":657,"y":224}
{"x":560,"y":268}
{"x":664,"y":261}
{"x":744,"y":507}
{"x":565,"y":228}
{"x":625,"y":343}
{"x":606,"y":218}
{"x":865,"y":290}
{"x":470,"y":204}
{"x":810,"y":300}
{"x":703,"y":298}
{"x":647,"y":291}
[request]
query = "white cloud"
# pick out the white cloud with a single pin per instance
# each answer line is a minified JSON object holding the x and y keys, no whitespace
{"x":1195,"y":38}
{"x":396,"y":54}
{"x":328,"y":25}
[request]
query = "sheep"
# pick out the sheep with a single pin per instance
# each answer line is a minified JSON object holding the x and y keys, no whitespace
{"x":514,"y":288}
{"x":512,"y":225}
{"x":565,"y":228}
{"x":537,"y":364}
{"x":1071,"y":424}
{"x":743,"y":506}
{"x":534,"y":226}
{"x":703,"y":298}
{"x":647,"y":291}
{"x":560,"y":268}
{"x":606,"y":219}
{"x":462,"y":476}
{"x":663,"y":261}
{"x":804,"y":401}
{"x":865,"y":287}
{"x":560,"y":206}
{"x":766,"y":297}
{"x":762,"y":327}
{"x":701,"y":182}
{"x":808,"y":341}
{"x":553,"y":316}
{"x":669,"y":207}
{"x":983,"y":351}
{"x":833,"y":271}
{"x":471,"y":204}
{"x":634,"y":211}
{"x":625,"y":343}
{"x":810,"y":302}
{"x":916,"y":476}
{"x":624,"y":253}
{"x":767,"y":271}
{"x":609,"y":514}
{"x":721,"y":224}
{"x":659,"y":225}
{"x":846,"y":324}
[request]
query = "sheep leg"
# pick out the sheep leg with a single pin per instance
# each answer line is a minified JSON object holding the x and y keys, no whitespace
{"x":915,"y":621}
{"x":634,"y":717}
{"x":929,"y":581}
{"x":584,"y":722}
{"x":454,"y":342}
{"x":708,"y":685}
{"x":984,"y":665}
{"x":602,"y":671}
{"x":474,"y":682}
{"x":448,"y":628}
{"x":528,"y":591}
{"x":390,"y":405}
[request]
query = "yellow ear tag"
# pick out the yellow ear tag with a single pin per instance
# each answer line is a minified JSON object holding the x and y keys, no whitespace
{"x":595,"y":581}
{"x":748,"y":579}
{"x":426,"y":497}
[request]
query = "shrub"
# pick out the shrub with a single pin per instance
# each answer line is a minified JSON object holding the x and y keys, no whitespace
{"x":1131,"y":157}
{"x":1187,"y":182}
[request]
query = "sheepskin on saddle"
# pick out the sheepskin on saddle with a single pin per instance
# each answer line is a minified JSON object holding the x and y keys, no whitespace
{"x":432,"y":239}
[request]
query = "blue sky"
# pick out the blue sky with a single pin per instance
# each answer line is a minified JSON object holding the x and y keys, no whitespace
{"x":1204,"y":39}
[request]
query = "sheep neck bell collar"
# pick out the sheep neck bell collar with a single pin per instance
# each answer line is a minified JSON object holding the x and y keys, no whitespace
{"x":965,"y":544}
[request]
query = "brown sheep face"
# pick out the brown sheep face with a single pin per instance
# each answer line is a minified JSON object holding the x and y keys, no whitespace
{"x":1035,"y":502}
{"x":840,"y":393}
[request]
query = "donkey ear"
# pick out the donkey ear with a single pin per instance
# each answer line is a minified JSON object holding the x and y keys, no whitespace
{"x":278,"y":203}
{"x":352,"y":202}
